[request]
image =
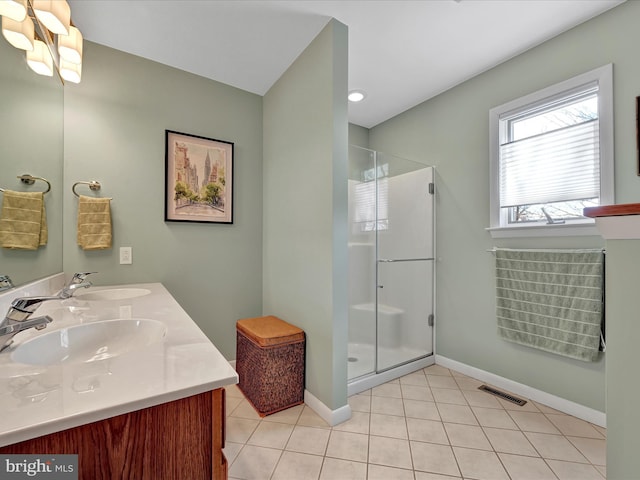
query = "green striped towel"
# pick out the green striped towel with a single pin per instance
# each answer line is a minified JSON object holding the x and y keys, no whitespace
{"x":551,"y":300}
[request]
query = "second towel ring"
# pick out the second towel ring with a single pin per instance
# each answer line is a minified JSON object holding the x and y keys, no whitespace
{"x":93,"y":185}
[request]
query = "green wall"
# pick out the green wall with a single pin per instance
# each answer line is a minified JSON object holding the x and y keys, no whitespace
{"x":305,"y":208}
{"x":451,"y":131}
{"x":114,"y":132}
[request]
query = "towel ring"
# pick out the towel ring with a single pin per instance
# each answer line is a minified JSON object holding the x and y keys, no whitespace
{"x":30,"y":180}
{"x":93,"y":185}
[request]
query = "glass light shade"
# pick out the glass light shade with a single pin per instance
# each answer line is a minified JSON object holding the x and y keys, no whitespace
{"x":71,"y":72}
{"x":18,"y":34}
{"x":14,"y":9}
{"x":70,"y":46}
{"x":54,"y":14}
{"x":39,"y":59}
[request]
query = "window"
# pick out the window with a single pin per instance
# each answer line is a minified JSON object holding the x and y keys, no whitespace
{"x":372,"y":200}
{"x":552,"y":156}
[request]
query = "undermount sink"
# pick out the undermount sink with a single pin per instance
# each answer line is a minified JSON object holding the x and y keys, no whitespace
{"x":89,"y":342}
{"x":111,"y":294}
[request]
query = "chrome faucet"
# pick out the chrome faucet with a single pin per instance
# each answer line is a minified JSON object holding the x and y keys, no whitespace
{"x":79,"y":280}
{"x":5,"y":283}
{"x":18,"y":316}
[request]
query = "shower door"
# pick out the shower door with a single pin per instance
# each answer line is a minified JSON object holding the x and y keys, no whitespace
{"x":404,"y":266}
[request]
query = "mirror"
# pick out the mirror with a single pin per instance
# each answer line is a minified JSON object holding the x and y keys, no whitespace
{"x":31,"y":142}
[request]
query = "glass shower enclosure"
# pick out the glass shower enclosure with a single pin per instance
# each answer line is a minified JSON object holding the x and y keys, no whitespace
{"x":391,"y":262}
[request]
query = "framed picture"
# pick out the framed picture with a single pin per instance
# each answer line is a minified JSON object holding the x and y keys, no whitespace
{"x":638,"y":136}
{"x":199,"y":179}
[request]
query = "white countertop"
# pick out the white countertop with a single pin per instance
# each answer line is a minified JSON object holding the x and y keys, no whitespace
{"x":38,"y":400}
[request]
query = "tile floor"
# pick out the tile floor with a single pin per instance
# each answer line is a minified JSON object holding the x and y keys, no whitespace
{"x":433,"y":424}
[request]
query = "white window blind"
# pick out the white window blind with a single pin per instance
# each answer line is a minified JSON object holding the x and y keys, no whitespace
{"x":365,"y":200}
{"x":562,"y":165}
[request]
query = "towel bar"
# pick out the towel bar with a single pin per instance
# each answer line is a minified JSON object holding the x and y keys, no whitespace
{"x":493,"y":250}
{"x":30,"y":180}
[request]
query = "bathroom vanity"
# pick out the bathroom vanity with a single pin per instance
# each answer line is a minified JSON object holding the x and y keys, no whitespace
{"x":122,"y":377}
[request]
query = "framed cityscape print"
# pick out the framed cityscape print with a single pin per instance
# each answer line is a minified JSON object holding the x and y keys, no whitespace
{"x":199,"y":179}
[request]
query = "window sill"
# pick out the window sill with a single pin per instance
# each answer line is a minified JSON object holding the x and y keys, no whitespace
{"x":588,"y":228}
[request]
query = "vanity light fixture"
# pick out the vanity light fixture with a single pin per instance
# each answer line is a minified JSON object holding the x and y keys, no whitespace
{"x":14,"y":9}
{"x":39,"y":59}
{"x":70,"y":46}
{"x":47,"y":34}
{"x":18,"y":34}
{"x":54,"y":14}
{"x":69,"y":71}
{"x":356,"y":96}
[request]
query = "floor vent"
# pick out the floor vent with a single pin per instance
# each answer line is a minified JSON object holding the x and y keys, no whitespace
{"x":503,"y":395}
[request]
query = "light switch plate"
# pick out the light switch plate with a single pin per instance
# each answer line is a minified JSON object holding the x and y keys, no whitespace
{"x":126,"y":257}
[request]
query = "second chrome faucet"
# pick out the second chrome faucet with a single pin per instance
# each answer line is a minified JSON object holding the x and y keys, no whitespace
{"x":18,"y":316}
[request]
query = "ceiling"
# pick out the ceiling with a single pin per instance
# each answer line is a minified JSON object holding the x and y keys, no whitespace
{"x":401,"y":53}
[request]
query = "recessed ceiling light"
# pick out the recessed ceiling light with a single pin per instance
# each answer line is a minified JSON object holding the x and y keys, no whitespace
{"x":356,"y":96}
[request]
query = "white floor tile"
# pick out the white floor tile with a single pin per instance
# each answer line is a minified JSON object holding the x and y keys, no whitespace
{"x":360,"y":403}
{"x":427,"y":431}
{"x":290,"y":415}
{"x":432,"y":458}
{"x":468,"y":436}
{"x":334,"y":469}
{"x":388,"y":426}
{"x":492,"y":417}
{"x":526,"y":468}
{"x":575,"y":427}
{"x":417,"y":392}
{"x":271,"y":434}
{"x":574,"y":471}
{"x":595,"y":450}
{"x":420,"y":409}
{"x":479,"y":464}
{"x":358,"y":423}
{"x":457,"y":414}
{"x":432,"y":424}
{"x":298,"y":466}
{"x":510,"y":441}
{"x":311,"y":440}
{"x":348,"y":446}
{"x":255,"y":463}
{"x":379,"y":472}
{"x":555,"y":447}
{"x":533,"y":422}
{"x":391,"y":452}
{"x":240,"y":429}
{"x":387,"y":405}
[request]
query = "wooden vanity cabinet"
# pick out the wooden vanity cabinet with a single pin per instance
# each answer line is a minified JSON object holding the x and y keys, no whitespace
{"x":177,"y":440}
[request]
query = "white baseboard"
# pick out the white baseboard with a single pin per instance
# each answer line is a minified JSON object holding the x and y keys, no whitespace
{"x":566,"y":406}
{"x":332,"y":417}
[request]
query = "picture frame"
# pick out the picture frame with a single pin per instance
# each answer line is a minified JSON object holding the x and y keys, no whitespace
{"x":638,"y":136}
{"x":198,"y":179}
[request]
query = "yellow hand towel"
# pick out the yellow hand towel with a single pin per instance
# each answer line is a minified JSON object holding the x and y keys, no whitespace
{"x":23,"y":223}
{"x":94,"y":223}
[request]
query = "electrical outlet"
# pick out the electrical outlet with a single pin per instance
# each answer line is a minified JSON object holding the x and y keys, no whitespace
{"x":126,"y":257}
